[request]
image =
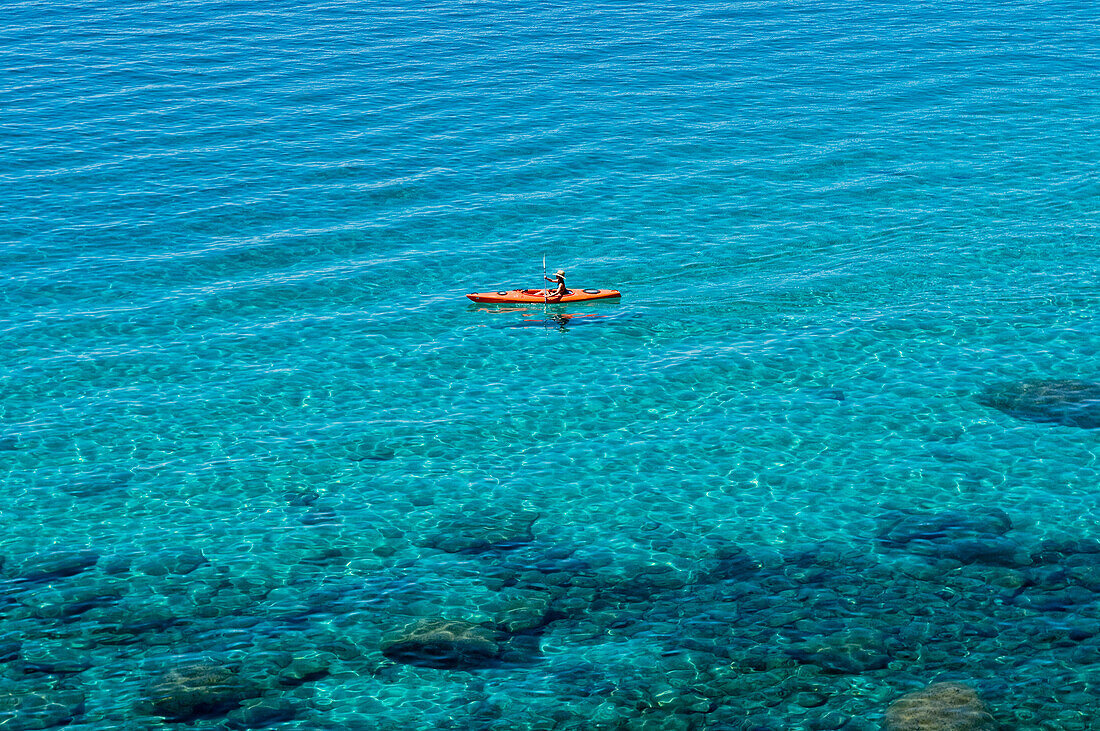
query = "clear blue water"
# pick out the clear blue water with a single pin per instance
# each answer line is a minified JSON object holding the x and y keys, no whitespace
{"x":250,"y":422}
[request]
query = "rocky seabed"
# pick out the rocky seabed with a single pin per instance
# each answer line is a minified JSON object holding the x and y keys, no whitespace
{"x":947,"y":619}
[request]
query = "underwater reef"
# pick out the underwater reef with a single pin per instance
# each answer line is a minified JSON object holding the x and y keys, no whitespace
{"x":942,"y":619}
{"x":942,"y":707}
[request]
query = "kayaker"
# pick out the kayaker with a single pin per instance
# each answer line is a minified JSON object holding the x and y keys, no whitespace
{"x":559,"y":279}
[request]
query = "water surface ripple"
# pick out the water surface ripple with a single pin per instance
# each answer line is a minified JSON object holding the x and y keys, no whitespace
{"x":263,"y":466}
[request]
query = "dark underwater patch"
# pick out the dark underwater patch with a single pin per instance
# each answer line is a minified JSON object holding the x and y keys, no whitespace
{"x":1067,"y":402}
{"x":444,"y":644}
{"x":98,"y":482}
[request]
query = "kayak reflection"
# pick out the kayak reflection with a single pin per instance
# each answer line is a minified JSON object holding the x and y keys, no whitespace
{"x":541,"y":317}
{"x":562,"y":321}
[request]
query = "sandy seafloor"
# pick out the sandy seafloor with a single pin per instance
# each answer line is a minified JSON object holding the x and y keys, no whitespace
{"x":263,"y":466}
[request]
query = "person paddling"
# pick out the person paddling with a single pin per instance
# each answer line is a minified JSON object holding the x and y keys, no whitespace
{"x":559,"y":279}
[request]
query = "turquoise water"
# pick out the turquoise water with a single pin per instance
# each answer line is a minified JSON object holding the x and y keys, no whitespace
{"x":251,"y":425}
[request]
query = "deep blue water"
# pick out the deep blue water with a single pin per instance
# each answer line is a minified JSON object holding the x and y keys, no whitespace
{"x":251,"y":425}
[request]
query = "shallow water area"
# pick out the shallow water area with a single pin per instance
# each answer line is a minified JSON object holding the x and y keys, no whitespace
{"x":264,"y":466}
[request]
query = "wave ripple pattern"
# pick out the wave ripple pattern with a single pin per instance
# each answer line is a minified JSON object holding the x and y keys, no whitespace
{"x":830,"y":462}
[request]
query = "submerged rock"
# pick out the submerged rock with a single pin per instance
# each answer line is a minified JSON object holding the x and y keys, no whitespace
{"x":98,"y":482}
{"x":853,"y":650}
{"x":991,"y":550}
{"x":479,"y":529}
{"x":9,"y":650}
{"x":320,"y":516}
{"x":1067,"y":599}
{"x":53,"y":659}
{"x":306,"y":668}
{"x":196,"y":691}
{"x":180,"y":561}
{"x":1067,"y":402}
{"x":66,"y":601}
{"x":832,"y":394}
{"x":900,"y":528}
{"x":521,"y":611}
{"x":939,"y":707}
{"x":40,"y":708}
{"x":56,"y":564}
{"x":967,"y":536}
{"x":115,"y":564}
{"x":130,"y":620}
{"x":443,"y":643}
{"x":733,"y":562}
{"x":262,"y":712}
{"x":301,"y":498}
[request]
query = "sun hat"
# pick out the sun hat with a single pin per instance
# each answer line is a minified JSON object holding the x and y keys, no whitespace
{"x":560,"y":272}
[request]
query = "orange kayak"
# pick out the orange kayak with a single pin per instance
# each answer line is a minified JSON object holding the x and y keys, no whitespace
{"x":531,"y":296}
